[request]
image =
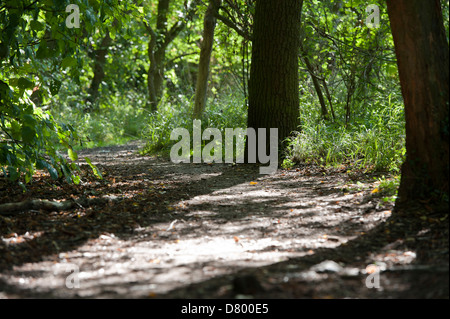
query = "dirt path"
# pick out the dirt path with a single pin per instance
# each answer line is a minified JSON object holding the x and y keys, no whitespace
{"x":169,"y":230}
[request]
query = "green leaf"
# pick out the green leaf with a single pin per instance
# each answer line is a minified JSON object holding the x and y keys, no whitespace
{"x":53,"y":172}
{"x":28,"y":178}
{"x":28,"y":134}
{"x":42,"y":51}
{"x":94,"y":168}
{"x":40,"y":164}
{"x":112,"y":33}
{"x":36,"y":26}
{"x":15,"y":129}
{"x":12,"y":82}
{"x":13,"y":174}
{"x":68,"y":62}
{"x":4,"y":51}
{"x":72,"y":154}
{"x":24,"y":83}
{"x":29,"y":119}
{"x":76,"y":179}
{"x":66,"y":172}
{"x":55,"y":85}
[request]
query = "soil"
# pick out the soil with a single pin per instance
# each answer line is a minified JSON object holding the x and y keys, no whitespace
{"x":165,"y":230}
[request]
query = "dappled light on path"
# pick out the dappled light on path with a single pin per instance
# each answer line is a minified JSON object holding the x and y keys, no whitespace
{"x":175,"y":225}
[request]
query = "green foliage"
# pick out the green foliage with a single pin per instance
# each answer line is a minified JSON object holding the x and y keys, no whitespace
{"x":30,"y":37}
{"x":357,"y":72}
{"x":46,"y":70}
{"x":161,"y":124}
{"x":287,"y":163}
{"x":225,"y":112}
{"x":445,"y":13}
{"x":38,"y":53}
{"x":388,"y":187}
{"x":118,"y":119}
{"x":375,"y":142}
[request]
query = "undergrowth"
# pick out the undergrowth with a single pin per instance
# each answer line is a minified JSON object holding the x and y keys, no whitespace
{"x":227,"y":112}
{"x":373,"y":141}
{"x":376,"y":143}
{"x":116,"y":119}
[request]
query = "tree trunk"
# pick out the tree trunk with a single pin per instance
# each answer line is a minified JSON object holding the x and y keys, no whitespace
{"x":209,"y":24}
{"x":99,"y":73}
{"x":323,"y":107}
{"x":423,"y":60}
{"x":330,"y":100}
{"x":156,"y":52}
{"x":155,"y":75}
{"x":159,"y":40}
{"x":274,"y":80}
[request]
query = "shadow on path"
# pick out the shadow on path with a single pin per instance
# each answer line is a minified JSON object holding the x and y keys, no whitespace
{"x":216,"y":231}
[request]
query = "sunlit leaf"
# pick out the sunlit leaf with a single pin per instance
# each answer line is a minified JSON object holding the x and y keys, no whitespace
{"x":72,"y":154}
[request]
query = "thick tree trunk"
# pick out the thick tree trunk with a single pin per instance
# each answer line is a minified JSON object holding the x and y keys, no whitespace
{"x":423,"y":61}
{"x":209,"y":24}
{"x":274,"y":81}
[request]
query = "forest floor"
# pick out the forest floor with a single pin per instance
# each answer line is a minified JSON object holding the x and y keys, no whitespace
{"x":165,"y":230}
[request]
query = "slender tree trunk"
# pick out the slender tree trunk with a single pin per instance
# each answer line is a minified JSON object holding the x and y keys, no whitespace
{"x":159,"y":40}
{"x":330,"y":100}
{"x":99,"y":64}
{"x":156,"y":52}
{"x":423,"y":61}
{"x":323,"y":107}
{"x":155,"y":75}
{"x":274,"y":80}
{"x":209,"y":24}
{"x":350,"y":91}
{"x":99,"y":73}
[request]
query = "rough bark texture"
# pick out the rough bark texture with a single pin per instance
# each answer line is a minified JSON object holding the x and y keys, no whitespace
{"x":423,"y":61}
{"x":209,"y":24}
{"x":274,"y":81}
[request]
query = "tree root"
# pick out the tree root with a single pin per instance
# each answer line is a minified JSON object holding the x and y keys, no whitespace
{"x":37,"y":204}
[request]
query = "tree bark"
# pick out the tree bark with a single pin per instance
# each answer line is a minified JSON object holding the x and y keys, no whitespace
{"x":159,"y":40}
{"x":156,"y":52}
{"x":274,"y":80}
{"x":323,"y":107}
{"x":99,"y":73}
{"x":330,"y":100}
{"x":209,"y":25}
{"x":423,"y":60}
{"x":155,"y":74}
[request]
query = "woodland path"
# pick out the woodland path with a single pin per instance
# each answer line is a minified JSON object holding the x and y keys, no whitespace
{"x":165,"y":230}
